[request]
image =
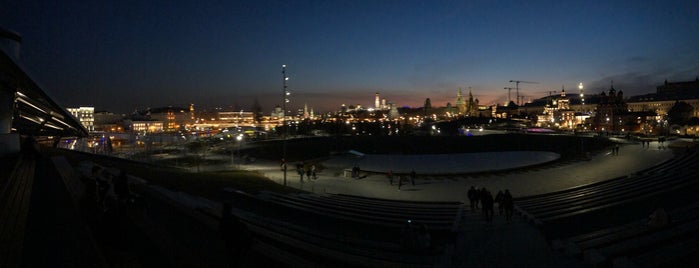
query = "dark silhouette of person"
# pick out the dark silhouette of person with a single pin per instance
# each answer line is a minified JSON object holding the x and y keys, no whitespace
{"x":408,"y":236}
{"x":390,"y":176}
{"x":412,"y":177}
{"x":103,"y":186}
{"x":498,"y":199}
{"x":509,"y":204}
{"x":473,"y":198}
{"x":400,"y":181}
{"x":424,"y":240}
{"x":235,"y":234}
{"x":487,"y":201}
{"x":299,"y":170}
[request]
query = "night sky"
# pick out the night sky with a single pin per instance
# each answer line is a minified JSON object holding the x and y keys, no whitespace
{"x":125,"y":55}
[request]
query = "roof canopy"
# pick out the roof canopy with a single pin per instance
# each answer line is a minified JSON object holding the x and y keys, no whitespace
{"x":35,"y":113}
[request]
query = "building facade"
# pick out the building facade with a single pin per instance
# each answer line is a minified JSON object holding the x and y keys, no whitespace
{"x":86,"y":116}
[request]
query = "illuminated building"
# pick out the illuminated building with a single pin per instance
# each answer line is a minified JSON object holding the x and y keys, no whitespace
{"x":86,"y":116}
{"x":146,"y":126}
{"x":377,"y":102}
{"x":611,"y":111}
{"x":174,"y":118}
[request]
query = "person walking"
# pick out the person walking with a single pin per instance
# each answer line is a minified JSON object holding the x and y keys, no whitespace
{"x":390,"y":176}
{"x":412,"y":177}
{"x":472,"y":198}
{"x":400,"y":182}
{"x":509,"y":204}
{"x":498,"y":199}
{"x":487,"y":201}
{"x":313,"y":172}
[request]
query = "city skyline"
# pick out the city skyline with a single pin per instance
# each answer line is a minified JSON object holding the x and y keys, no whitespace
{"x":125,"y":56}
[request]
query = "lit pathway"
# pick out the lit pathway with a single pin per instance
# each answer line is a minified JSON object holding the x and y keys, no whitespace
{"x":632,"y":158}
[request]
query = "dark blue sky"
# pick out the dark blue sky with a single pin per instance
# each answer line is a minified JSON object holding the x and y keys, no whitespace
{"x":124,"y":55}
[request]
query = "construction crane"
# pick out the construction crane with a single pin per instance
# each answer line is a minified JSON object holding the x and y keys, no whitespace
{"x":517,"y":87}
{"x":509,"y":89}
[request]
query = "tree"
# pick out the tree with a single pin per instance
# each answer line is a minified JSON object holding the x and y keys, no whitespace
{"x":680,"y":113}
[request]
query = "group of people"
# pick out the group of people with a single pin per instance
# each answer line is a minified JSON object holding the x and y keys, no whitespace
{"x":483,"y":199}
{"x":401,"y":177}
{"x":415,"y":236}
{"x":109,"y":197}
{"x":615,"y":149}
{"x":310,"y":172}
{"x":111,"y":191}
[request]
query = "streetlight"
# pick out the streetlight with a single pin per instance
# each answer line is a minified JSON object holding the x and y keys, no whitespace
{"x":239,"y":138}
{"x":285,"y":94}
{"x":582,"y":96}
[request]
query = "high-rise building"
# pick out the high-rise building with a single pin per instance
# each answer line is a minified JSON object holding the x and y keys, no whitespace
{"x":86,"y":116}
{"x":377,"y":102}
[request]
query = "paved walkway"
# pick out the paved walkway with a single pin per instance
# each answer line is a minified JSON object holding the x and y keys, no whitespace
{"x":631,"y":158}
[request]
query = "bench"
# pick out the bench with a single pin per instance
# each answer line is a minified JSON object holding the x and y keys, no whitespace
{"x":366,"y":215}
{"x":601,"y":196}
{"x":15,"y":197}
{"x":646,"y":242}
{"x":331,"y":246}
{"x":685,"y":160}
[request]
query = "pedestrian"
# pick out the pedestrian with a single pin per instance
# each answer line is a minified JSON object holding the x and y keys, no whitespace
{"x":390,"y":176}
{"x":487,"y":201}
{"x":408,"y":236}
{"x":313,"y":172}
{"x":283,"y":164}
{"x":472,"y":198}
{"x":424,"y":240}
{"x":498,"y":199}
{"x":412,"y":177}
{"x":400,"y":181}
{"x":509,"y":204}
{"x":103,"y":186}
{"x":616,"y":149}
{"x":299,"y":170}
{"x":658,"y":218}
{"x":308,"y":174}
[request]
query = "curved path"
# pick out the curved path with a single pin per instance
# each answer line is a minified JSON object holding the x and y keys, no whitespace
{"x":632,"y":158}
{"x":435,"y":164}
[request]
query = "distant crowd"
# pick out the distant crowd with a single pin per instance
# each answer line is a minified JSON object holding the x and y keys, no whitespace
{"x":482,"y":199}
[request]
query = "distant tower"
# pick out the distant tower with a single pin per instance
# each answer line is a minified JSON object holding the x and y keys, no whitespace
{"x":377,"y":101}
{"x":563,"y":103}
{"x":383,"y":104}
{"x":305,"y":111}
{"x":472,"y":105}
{"x":191,"y":111}
{"x":460,"y":105}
